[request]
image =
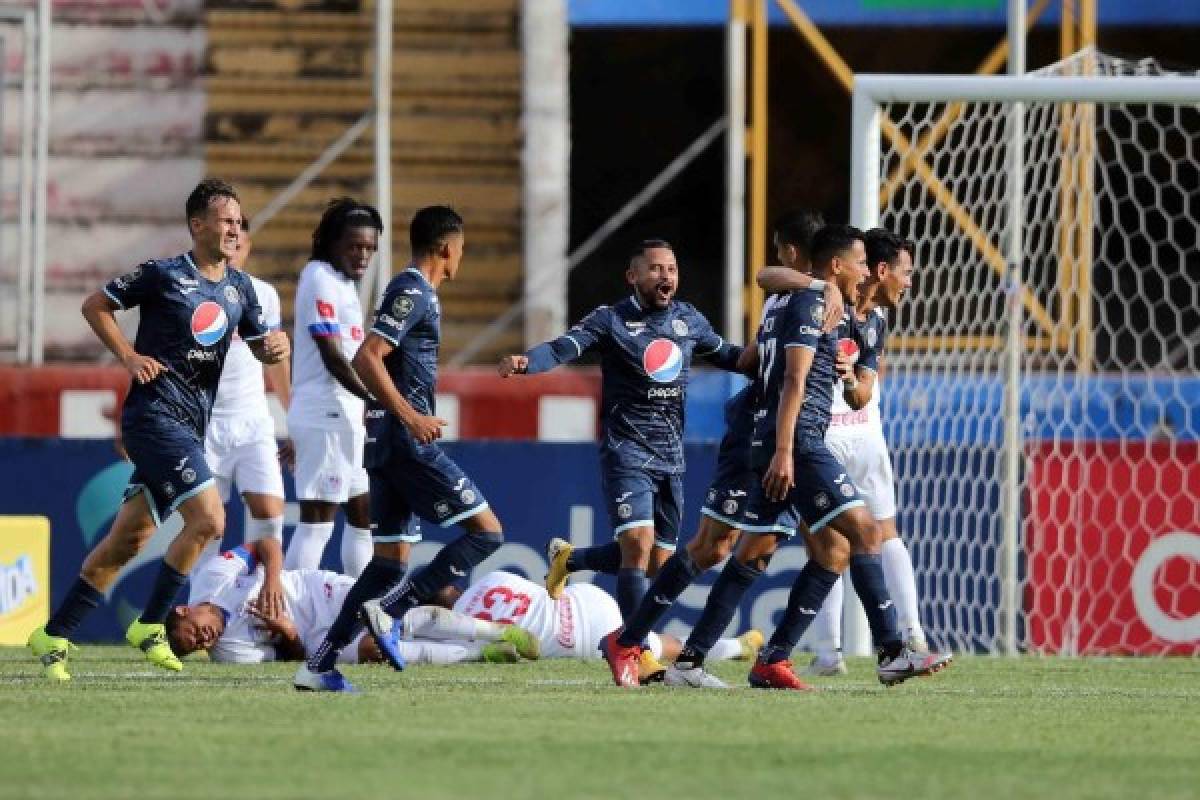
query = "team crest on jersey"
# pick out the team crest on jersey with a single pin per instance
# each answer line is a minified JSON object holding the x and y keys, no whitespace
{"x":730,"y":507}
{"x":662,"y":360}
{"x":680,"y":327}
{"x":209,"y":323}
{"x":847,"y":490}
{"x":467,"y":497}
{"x":442,"y":509}
{"x":624,"y":511}
{"x":168,"y":490}
{"x":231,"y":295}
{"x":188,"y":475}
{"x":821,"y":501}
{"x":402,"y":306}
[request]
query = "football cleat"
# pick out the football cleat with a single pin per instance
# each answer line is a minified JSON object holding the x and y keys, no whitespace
{"x":907,"y":664}
{"x":826,"y":666}
{"x":524,"y":641}
{"x":777,"y":675}
{"x":751,"y":642}
{"x":916,"y":642}
{"x":151,"y":639}
{"x":692,"y":676}
{"x":333,"y":681}
{"x":500,"y":653}
{"x":52,"y":651}
{"x":624,"y":662}
{"x":649,"y":669}
{"x":557,"y":551}
{"x":383,"y":630}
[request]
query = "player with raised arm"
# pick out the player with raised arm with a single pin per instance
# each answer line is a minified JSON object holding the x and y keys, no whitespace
{"x":726,"y":498}
{"x":409,"y":473}
{"x":190,"y":306}
{"x":802,"y":481}
{"x":646,"y":343}
{"x":239,"y":444}
{"x":856,"y":438}
{"x":325,"y":420}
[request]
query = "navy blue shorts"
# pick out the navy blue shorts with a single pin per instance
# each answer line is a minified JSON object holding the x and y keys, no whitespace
{"x":423,"y":482}
{"x":637,"y":498}
{"x":168,"y":460}
{"x":730,"y":487}
{"x":822,"y":491}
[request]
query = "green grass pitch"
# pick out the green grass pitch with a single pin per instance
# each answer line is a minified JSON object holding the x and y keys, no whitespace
{"x":1010,"y":728}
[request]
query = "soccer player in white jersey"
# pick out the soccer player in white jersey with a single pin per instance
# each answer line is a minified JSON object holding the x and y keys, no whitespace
{"x":500,"y":618}
{"x":325,"y":420}
{"x":239,"y":444}
{"x":855,"y":437}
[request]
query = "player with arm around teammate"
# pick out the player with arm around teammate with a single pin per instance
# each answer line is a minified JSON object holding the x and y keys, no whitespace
{"x":726,"y":497}
{"x":190,"y":306}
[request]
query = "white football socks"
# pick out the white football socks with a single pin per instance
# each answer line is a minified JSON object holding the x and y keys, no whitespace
{"x":902,"y":586}
{"x":825,"y":633}
{"x":357,"y":549}
{"x":307,"y":545}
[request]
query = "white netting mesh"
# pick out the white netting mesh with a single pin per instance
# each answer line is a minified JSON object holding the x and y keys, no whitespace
{"x":1110,"y":399}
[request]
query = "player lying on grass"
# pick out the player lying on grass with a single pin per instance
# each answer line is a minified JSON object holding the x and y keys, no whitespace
{"x":501,"y":618}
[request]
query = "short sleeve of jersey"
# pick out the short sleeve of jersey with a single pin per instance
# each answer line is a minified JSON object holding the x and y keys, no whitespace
{"x":802,"y":320}
{"x":874,"y":335}
{"x":253,"y":324}
{"x":590,"y":330}
{"x":211,"y":578}
{"x":404,"y":305}
{"x":132,"y":288}
{"x":268,"y":298}
{"x":708,"y":341}
{"x":316,"y":306}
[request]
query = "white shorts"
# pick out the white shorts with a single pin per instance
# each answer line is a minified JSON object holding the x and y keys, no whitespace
{"x":329,"y":463}
{"x":595,"y":616}
{"x":319,"y":605}
{"x":243,"y":451}
{"x":864,"y":454}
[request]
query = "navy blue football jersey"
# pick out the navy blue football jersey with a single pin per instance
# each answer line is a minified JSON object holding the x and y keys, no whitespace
{"x":187,"y":323}
{"x":410,"y":318}
{"x":645,"y":356}
{"x":794,"y":320}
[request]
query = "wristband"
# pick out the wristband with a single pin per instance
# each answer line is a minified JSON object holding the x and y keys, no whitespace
{"x":817,"y":285}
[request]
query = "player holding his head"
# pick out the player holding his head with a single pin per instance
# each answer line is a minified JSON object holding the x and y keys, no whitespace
{"x":190,"y":306}
{"x":726,"y":498}
{"x":800,"y":478}
{"x":409,"y":473}
{"x":239,"y":445}
{"x":646,"y":343}
{"x":325,"y":420}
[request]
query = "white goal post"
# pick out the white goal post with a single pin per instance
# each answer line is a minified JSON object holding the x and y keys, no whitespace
{"x":1041,"y":394}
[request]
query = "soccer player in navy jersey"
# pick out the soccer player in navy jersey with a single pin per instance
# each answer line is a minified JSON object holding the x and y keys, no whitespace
{"x":646,"y":343}
{"x":725,"y":501}
{"x":190,"y":306}
{"x":801,"y":482}
{"x":409,"y":474}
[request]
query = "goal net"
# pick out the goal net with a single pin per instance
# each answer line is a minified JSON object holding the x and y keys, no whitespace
{"x":1073,"y":525}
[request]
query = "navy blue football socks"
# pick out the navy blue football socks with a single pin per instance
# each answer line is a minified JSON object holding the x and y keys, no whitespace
{"x":81,"y":598}
{"x":809,"y":591}
{"x":723,"y":600}
{"x":677,"y":573}
{"x":452,"y":562}
{"x":167,"y":584}
{"x":605,"y":558}
{"x":866,"y":570}
{"x":380,"y":575}
{"x":631,"y":588}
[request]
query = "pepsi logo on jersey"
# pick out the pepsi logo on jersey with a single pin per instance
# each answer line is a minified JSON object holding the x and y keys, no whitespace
{"x":209,"y":323}
{"x":662,"y":360}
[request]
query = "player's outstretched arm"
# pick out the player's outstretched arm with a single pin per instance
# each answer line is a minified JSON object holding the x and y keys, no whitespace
{"x":780,"y":477}
{"x":368,"y":364}
{"x":563,"y":350}
{"x":100,"y":312}
{"x":774,"y":280}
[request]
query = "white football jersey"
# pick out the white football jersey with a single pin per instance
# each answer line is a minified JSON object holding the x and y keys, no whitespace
{"x":241,"y":390}
{"x":327,"y":305}
{"x":233,"y":579}
{"x":846,"y":420}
